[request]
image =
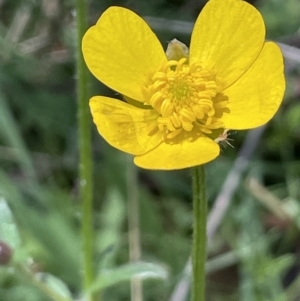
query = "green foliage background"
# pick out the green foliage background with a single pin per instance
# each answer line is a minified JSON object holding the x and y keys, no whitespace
{"x":254,"y":254}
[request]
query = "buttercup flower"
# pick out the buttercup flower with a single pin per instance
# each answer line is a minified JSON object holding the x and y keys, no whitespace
{"x":176,"y":104}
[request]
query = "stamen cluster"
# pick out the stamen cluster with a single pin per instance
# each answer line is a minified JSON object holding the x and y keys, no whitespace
{"x":185,"y":96}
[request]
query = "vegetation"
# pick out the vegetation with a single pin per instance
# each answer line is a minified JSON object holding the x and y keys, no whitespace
{"x":253,"y":188}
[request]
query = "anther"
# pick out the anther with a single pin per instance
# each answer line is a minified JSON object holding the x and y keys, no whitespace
{"x":174,"y":134}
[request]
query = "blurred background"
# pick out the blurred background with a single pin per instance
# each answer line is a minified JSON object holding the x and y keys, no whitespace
{"x":253,"y":188}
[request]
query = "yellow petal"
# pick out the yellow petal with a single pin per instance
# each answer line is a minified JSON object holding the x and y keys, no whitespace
{"x":120,"y":50}
{"x":227,"y":37}
{"x":181,"y":155}
{"x":255,"y":97}
{"x":124,"y":126}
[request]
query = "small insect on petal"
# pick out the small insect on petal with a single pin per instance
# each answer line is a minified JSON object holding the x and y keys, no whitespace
{"x":223,"y":139}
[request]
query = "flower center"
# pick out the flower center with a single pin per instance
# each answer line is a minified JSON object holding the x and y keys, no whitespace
{"x":186,"y":98}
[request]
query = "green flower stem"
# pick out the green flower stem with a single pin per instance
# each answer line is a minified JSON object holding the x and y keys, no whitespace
{"x":85,"y":164}
{"x":199,"y":234}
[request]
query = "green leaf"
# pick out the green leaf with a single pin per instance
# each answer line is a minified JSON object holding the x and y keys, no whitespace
{"x":8,"y":229}
{"x":144,"y":270}
{"x":54,"y":284}
{"x":10,"y":132}
{"x":109,"y":238}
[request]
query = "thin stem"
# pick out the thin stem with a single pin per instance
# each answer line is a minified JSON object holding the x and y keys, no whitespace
{"x":199,"y":234}
{"x":134,"y":227}
{"x":85,"y":164}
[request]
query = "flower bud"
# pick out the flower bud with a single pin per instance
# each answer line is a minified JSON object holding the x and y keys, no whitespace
{"x":5,"y":253}
{"x":177,"y":50}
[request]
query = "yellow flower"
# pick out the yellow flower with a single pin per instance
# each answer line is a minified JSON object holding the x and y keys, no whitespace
{"x":176,"y":109}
